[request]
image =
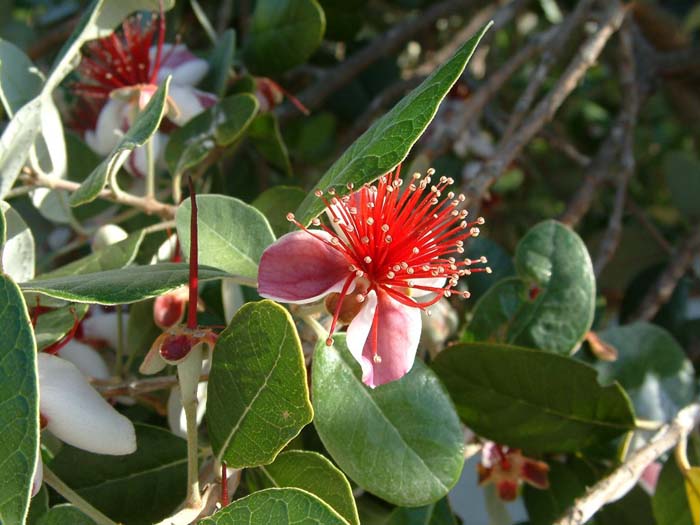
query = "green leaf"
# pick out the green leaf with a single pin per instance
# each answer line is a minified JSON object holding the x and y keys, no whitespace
{"x":499,"y":261}
{"x":19,"y":393}
{"x":54,"y":325}
{"x":220,"y":125}
{"x":220,"y":63}
{"x":531,"y":399}
{"x":550,"y":305}
{"x":65,"y":514}
{"x":20,"y":79}
{"x":438,"y":513}
{"x":117,"y":255}
{"x":126,"y":285}
{"x":278,"y":506}
{"x":141,"y":331}
{"x":388,"y":141}
{"x":401,"y":441}
{"x":38,"y":506}
{"x":258,"y":394}
{"x":140,"y":488}
{"x":682,"y":171}
{"x":232,"y":234}
{"x":652,"y":368}
{"x":145,"y":125}
{"x":18,"y":250}
{"x":312,"y":472}
{"x":283,"y":34}
{"x":265,"y":135}
{"x":276,"y":203}
{"x":670,"y":502}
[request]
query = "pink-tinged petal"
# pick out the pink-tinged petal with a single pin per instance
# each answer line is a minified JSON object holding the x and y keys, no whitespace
{"x":300,"y":268}
{"x":650,"y":477}
{"x":154,"y":362}
{"x":178,"y":61}
{"x":398,"y":333}
{"x":437,"y":282}
{"x":88,"y":361}
{"x":38,"y":476}
{"x":358,"y":332}
{"x":77,"y":414}
{"x":536,"y":473}
{"x":103,"y":326}
{"x":188,"y":103}
{"x":108,"y":131}
{"x":207,"y":100}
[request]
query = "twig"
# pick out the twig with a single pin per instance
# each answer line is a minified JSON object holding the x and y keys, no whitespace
{"x":624,"y":477}
{"x":649,"y":226}
{"x":508,"y":149}
{"x":148,"y":206}
{"x":630,"y":109}
{"x":137,"y":387}
{"x":73,"y":497}
{"x":662,"y":291}
{"x":565,"y":31}
{"x":384,"y":44}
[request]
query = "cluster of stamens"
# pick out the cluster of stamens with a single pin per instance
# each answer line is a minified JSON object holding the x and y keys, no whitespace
{"x":392,"y":237}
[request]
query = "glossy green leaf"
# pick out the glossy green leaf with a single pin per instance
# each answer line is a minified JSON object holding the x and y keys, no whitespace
{"x":388,"y":141}
{"x":138,"y":489}
{"x":682,"y":171}
{"x":652,"y":367}
{"x":276,"y":203}
{"x":220,"y":125}
{"x":265,"y":135}
{"x":232,"y":234}
{"x":19,"y":398}
{"x":112,"y":257}
{"x":52,"y":326}
{"x":145,"y":125}
{"x":126,"y":285}
{"x":65,"y":514}
{"x":258,"y":397}
{"x":18,"y":251}
{"x":283,"y":34}
{"x":278,"y":506}
{"x":552,"y":307}
{"x":313,"y":473}
{"x":401,"y":441}
{"x":531,"y":399}
{"x":438,"y":513}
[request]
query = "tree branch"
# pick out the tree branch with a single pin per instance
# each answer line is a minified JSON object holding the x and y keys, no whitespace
{"x":621,"y":480}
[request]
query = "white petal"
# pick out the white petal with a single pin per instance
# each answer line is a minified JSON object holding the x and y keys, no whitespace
{"x":176,"y":414}
{"x":88,"y":361}
{"x":358,"y":331}
{"x":435,"y":282}
{"x":137,"y":163}
{"x":178,"y":61}
{"x":107,"y":235}
{"x":166,"y":250}
{"x":103,"y":326}
{"x":77,"y":414}
{"x":109,"y":128}
{"x":38,"y":476}
{"x":187,"y":104}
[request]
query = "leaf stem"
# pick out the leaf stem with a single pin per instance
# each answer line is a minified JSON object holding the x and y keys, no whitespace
{"x":188,"y":376}
{"x":150,"y":170}
{"x":648,"y":424}
{"x":119,"y":357}
{"x":72,"y":497}
{"x":317,"y":327}
{"x":194,"y":255}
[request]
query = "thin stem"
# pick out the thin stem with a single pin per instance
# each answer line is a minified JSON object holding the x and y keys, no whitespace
{"x":317,"y":327}
{"x":224,"y":485}
{"x":150,"y":170}
{"x":194,"y":253}
{"x":72,"y":497}
{"x":193,"y":496}
{"x":681,"y":454}
{"x":648,"y":424}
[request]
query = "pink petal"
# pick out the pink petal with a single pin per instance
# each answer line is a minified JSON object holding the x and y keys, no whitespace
{"x":38,"y":476}
{"x":650,"y":477}
{"x":436,"y":282}
{"x":398,"y":332}
{"x":301,"y":268}
{"x":178,"y":61}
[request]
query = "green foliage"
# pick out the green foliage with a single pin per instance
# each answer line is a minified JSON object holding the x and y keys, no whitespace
{"x":532,"y":399}
{"x":52,"y":326}
{"x":19,"y":397}
{"x":401,"y":441}
{"x":256,"y":359}
{"x":138,"y":489}
{"x":64,"y":515}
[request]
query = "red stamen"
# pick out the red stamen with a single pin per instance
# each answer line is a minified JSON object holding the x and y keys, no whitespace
{"x":58,"y":345}
{"x":224,"y":485}
{"x":161,"y":40}
{"x":194,"y":253}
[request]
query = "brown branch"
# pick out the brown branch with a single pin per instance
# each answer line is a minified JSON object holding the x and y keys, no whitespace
{"x":148,"y":205}
{"x":621,"y":480}
{"x":384,"y":44}
{"x":630,"y":110}
{"x":509,"y":148}
{"x":565,"y":31}
{"x":662,"y":291}
{"x":137,"y":387}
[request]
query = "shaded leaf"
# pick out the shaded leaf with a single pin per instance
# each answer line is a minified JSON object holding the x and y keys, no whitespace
{"x":401,"y":441}
{"x":438,"y":513}
{"x":52,"y":326}
{"x":387,"y":142}
{"x":276,"y":203}
{"x":18,"y":250}
{"x":65,"y":514}
{"x":126,"y":285}
{"x":139,"y":488}
{"x":258,"y":398}
{"x":532,"y":399}
{"x":265,"y":135}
